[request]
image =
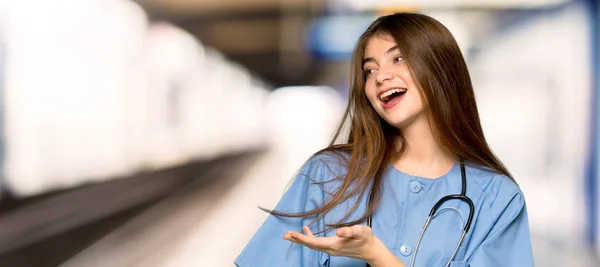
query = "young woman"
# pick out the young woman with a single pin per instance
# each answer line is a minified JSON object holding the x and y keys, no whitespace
{"x":415,"y":184}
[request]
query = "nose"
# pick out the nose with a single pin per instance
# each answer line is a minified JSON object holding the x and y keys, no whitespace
{"x":383,"y":76}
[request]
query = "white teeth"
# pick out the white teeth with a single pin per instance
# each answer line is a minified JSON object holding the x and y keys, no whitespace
{"x":388,"y":93}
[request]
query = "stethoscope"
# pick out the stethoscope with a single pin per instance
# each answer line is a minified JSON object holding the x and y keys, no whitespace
{"x":433,"y":214}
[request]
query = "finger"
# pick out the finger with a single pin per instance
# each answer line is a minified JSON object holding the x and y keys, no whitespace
{"x":308,"y":231}
{"x":355,"y":231}
{"x":319,"y":243}
{"x":288,"y":236}
{"x":344,"y":232}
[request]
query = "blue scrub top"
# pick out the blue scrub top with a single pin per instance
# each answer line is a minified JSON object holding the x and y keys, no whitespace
{"x":499,"y":234}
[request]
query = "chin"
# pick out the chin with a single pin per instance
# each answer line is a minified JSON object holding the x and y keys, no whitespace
{"x":398,"y":123}
{"x":402,"y":122}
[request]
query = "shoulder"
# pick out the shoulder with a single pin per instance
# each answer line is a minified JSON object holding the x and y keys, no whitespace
{"x":321,"y":169}
{"x":497,"y":190}
{"x":329,"y":163}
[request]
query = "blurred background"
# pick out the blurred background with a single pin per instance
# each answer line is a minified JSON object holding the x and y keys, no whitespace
{"x":147,"y":133}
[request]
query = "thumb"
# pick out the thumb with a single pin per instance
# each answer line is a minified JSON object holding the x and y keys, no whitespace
{"x":349,"y":232}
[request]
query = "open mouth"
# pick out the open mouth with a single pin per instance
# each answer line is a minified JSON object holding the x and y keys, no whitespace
{"x":392,"y":94}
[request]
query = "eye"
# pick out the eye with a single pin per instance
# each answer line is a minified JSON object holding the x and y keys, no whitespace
{"x":398,"y":59}
{"x":368,"y":72}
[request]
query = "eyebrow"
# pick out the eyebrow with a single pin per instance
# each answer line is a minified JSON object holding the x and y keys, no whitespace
{"x":370,"y":59}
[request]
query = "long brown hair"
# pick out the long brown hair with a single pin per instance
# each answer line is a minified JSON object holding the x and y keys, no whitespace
{"x":437,"y":64}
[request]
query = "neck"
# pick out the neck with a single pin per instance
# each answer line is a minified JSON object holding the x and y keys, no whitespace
{"x":423,"y":155}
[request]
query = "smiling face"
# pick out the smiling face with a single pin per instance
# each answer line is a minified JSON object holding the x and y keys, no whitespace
{"x":389,"y":85}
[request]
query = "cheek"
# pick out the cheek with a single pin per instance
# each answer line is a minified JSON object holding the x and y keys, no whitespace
{"x":404,"y":74}
{"x":408,"y":80}
{"x":370,"y":91}
{"x":419,"y":100}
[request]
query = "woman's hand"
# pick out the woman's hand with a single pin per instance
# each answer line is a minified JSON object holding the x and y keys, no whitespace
{"x":355,"y":241}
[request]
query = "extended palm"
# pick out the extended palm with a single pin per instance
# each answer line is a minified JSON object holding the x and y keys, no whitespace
{"x":354,"y":241}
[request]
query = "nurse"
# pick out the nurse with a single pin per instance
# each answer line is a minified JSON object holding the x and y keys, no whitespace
{"x":413,"y":121}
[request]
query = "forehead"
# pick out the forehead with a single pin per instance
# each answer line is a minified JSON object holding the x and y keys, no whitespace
{"x":378,"y":44}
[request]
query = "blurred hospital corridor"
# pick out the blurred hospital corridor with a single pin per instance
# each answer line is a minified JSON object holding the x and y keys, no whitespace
{"x":149,"y":133}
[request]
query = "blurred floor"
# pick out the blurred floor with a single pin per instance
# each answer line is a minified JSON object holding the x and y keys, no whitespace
{"x":199,"y":226}
{"x":209,"y":225}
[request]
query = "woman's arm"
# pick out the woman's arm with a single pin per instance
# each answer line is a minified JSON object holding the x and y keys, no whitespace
{"x":508,"y":243}
{"x":266,"y":248}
